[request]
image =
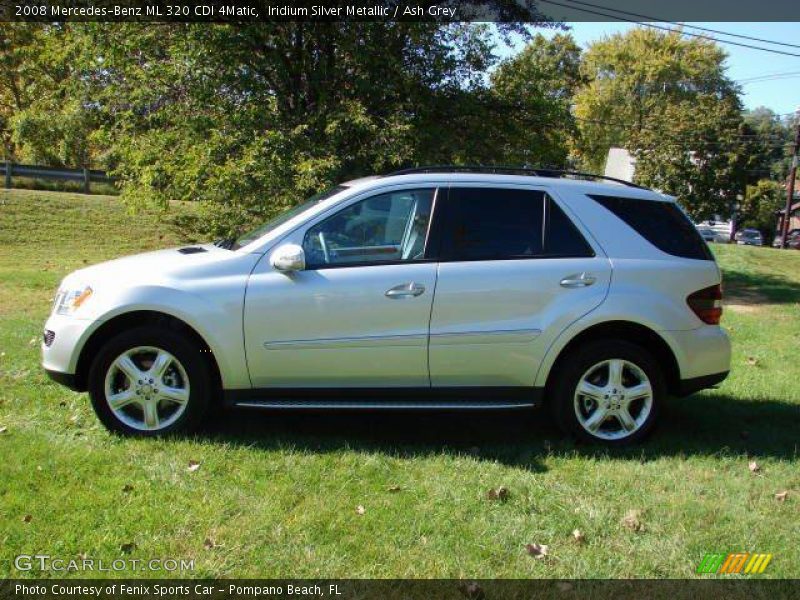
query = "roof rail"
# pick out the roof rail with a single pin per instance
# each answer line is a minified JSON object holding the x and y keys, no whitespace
{"x":510,"y":170}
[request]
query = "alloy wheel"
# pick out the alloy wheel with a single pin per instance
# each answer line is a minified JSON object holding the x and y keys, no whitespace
{"x":147,"y":388}
{"x":613,"y":399}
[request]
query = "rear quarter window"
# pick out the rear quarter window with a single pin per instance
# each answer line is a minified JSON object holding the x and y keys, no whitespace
{"x":663,"y":224}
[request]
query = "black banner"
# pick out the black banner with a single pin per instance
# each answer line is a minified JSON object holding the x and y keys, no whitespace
{"x":387,"y":589}
{"x":393,"y":10}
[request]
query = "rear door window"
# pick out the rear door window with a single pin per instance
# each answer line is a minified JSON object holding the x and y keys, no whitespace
{"x":506,"y":223}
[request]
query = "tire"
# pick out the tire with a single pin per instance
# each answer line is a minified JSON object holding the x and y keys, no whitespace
{"x":176,"y":400}
{"x":599,"y":415}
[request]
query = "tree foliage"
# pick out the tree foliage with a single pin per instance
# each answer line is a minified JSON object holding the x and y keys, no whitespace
{"x":667,"y":100}
{"x":250,"y":118}
{"x":760,"y":205}
{"x":533,"y":93}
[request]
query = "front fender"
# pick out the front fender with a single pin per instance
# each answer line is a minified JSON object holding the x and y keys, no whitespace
{"x":217,"y":320}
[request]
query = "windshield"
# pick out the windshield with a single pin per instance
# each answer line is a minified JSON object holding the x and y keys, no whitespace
{"x":282,"y":218}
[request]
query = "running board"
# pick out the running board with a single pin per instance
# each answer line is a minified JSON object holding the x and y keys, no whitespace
{"x":386,"y":399}
{"x":380,"y":405}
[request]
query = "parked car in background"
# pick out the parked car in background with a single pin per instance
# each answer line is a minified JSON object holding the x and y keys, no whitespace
{"x":793,"y":240}
{"x":425,"y":289}
{"x":708,"y":234}
{"x":722,"y":230}
{"x":749,"y":237}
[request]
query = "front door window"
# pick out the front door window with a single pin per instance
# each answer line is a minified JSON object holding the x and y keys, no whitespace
{"x":390,"y":227}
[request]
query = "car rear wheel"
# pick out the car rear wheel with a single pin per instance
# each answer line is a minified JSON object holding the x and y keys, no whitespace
{"x":149,"y":382}
{"x":608,"y":392}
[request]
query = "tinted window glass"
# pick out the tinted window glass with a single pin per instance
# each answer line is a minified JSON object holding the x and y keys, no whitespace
{"x":663,"y":224}
{"x":562,"y":238}
{"x":487,"y":223}
{"x":384,"y":228}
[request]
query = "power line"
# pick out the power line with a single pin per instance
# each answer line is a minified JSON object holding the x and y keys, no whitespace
{"x":669,"y":29}
{"x":718,"y":31}
{"x":769,"y":78}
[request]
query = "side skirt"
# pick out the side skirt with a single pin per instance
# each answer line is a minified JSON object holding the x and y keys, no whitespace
{"x":464,"y":398}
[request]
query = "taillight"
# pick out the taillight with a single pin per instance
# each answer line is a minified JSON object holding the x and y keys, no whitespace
{"x":707,"y":304}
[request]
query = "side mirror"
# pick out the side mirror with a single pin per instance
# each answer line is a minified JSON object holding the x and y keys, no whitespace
{"x":288,"y":258}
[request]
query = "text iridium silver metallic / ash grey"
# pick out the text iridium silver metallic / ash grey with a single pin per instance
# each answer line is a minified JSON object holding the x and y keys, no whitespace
{"x":431,"y":289}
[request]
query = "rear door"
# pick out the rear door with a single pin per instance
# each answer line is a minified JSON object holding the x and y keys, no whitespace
{"x":514,"y":272}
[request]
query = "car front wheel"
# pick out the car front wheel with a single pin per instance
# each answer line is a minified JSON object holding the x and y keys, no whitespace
{"x":608,"y":392}
{"x":149,"y":381}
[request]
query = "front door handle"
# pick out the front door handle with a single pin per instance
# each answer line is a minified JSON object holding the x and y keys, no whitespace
{"x":405,"y":290}
{"x":577,"y":280}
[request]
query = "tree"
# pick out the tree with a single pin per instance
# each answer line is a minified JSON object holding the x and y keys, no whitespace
{"x":249,"y":119}
{"x":767,"y":142}
{"x":533,"y":92}
{"x":760,"y":205}
{"x":668,"y":101}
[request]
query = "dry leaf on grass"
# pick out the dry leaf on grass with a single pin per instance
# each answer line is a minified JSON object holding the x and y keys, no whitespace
{"x":754,"y":467}
{"x":751,"y":361}
{"x":193,"y":466}
{"x":127,"y":547}
{"x":537,"y":551}
{"x":360,"y":510}
{"x":781,"y":496}
{"x":578,"y":536}
{"x":501,"y":494}
{"x":633,"y":520}
{"x":127,"y":488}
{"x":393,"y":488}
{"x":27,"y":518}
{"x":209,"y":544}
{"x":3,"y":429}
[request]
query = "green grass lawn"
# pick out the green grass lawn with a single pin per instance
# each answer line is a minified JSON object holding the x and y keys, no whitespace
{"x":277,"y":495}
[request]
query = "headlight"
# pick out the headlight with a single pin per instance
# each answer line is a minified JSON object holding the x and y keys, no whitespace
{"x":69,"y":300}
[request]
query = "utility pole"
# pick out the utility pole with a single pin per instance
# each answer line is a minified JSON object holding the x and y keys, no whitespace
{"x":790,"y":187}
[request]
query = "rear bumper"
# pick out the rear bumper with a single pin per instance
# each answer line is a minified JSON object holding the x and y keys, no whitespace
{"x":701,"y":353}
{"x":695,"y":384}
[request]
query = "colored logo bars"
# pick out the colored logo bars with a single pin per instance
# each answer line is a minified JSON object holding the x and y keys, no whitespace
{"x":735,"y":562}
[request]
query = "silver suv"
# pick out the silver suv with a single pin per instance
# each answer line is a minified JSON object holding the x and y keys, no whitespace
{"x":436,"y":288}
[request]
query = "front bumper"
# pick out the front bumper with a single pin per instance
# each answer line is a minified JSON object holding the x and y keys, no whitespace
{"x":66,"y":379}
{"x":67,"y":336}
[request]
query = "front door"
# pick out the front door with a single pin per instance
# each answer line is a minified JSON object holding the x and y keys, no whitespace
{"x":514,"y":272}
{"x":358,"y":315}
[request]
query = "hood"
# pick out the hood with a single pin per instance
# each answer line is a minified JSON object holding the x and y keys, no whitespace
{"x":155,"y":267}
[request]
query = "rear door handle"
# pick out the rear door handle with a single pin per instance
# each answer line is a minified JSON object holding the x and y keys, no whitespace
{"x":577,"y":280}
{"x":405,"y":290}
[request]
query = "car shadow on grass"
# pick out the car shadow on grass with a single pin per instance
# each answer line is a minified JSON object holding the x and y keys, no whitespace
{"x":769,"y":288}
{"x":707,"y":424}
